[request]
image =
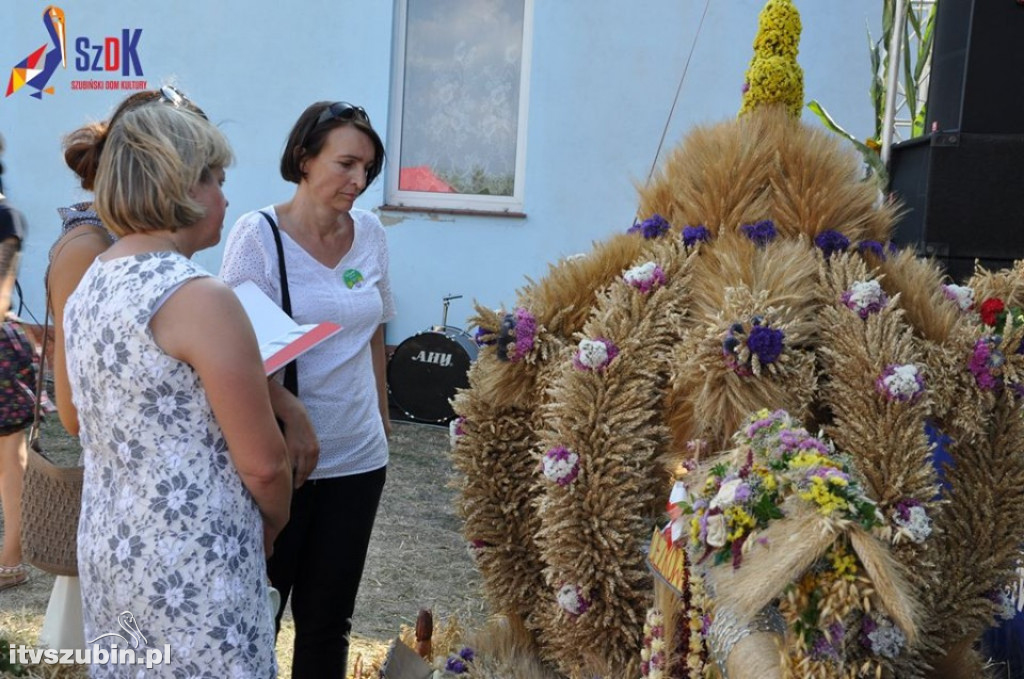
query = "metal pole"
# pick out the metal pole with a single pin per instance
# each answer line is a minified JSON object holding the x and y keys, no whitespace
{"x":892,"y":77}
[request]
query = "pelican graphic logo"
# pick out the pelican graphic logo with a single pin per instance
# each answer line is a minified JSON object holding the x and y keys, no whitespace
{"x":111,"y":55}
{"x":36,"y":69}
{"x":127,"y":622}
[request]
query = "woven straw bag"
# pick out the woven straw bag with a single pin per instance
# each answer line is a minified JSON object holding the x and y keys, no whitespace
{"x":51,"y":500}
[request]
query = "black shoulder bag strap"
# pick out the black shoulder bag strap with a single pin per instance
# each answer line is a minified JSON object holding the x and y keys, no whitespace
{"x":291,"y":371}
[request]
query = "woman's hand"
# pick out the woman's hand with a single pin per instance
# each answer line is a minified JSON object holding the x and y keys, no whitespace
{"x":269,"y":536}
{"x":299,"y":435}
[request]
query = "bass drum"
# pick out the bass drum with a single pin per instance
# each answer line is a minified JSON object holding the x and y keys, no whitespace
{"x":425,"y":371}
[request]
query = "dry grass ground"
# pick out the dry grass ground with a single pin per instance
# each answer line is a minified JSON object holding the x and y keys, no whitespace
{"x":417,"y":557}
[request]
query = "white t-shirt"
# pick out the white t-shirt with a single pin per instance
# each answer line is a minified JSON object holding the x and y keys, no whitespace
{"x":336,"y":379}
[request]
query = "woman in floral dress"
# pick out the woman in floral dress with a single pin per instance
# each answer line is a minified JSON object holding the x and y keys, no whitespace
{"x":186,"y":474}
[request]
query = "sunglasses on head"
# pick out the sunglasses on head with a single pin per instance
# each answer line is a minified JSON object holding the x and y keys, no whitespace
{"x":174,"y":97}
{"x":341,"y":110}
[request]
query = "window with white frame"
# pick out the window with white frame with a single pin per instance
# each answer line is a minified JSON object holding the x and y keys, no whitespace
{"x":457,"y":136}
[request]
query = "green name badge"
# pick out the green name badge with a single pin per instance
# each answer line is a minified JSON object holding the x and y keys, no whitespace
{"x":352,"y":278}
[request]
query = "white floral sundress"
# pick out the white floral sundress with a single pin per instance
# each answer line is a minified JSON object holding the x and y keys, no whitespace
{"x":168,"y":533}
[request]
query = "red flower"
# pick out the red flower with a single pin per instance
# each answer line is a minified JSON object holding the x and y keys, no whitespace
{"x":990,"y":310}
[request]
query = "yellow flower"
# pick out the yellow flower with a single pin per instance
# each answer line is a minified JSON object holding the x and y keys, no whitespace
{"x":819,"y":493}
{"x":837,"y":480}
{"x":739,"y":521}
{"x":695,"y":528}
{"x":844,"y":565}
{"x":769,"y":482}
{"x":774,"y":76}
{"x":809,"y":459}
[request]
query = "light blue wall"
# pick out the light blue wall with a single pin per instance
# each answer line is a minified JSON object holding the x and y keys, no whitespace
{"x":603,"y":78}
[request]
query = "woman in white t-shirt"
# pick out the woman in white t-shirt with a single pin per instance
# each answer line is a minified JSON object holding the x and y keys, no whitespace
{"x":336,"y":269}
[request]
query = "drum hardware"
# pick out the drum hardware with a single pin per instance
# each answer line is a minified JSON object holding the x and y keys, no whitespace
{"x":427,"y":369}
{"x":446,"y":301}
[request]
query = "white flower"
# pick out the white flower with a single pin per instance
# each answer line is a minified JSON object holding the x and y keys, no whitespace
{"x":865,"y":293}
{"x":726,"y":494}
{"x":902,"y":383}
{"x":455,"y":430}
{"x":1006,"y":607}
{"x":655,"y":618}
{"x":570,"y":599}
{"x":593,"y":353}
{"x":561,"y":468}
{"x":917,"y":526}
{"x":657,"y":645}
{"x":717,"y":531}
{"x":645,"y":654}
{"x":644,"y":277}
{"x":644,"y":273}
{"x":887,"y":640}
{"x":961,"y":294}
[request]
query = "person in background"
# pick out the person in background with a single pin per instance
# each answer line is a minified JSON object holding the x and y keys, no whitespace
{"x":187,"y":479}
{"x":336,"y":261}
{"x":82,"y":238}
{"x":13,"y":454}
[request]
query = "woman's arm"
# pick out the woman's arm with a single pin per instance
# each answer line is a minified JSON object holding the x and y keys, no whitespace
{"x":380,"y":372}
{"x":9,"y":251}
{"x":204,"y":325}
{"x":75,"y":252}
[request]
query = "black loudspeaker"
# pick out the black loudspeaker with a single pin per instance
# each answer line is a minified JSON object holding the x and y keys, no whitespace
{"x":963,"y":196}
{"x":977,"y":72}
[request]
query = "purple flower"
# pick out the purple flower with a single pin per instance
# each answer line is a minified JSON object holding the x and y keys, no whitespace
{"x":526,"y":332}
{"x":765,"y":343}
{"x":872,"y":246}
{"x":695,"y":234}
{"x":456,"y":665}
{"x":831,"y":242}
{"x":761,"y":233}
{"x":479,"y":335}
{"x":467,"y":654}
{"x":652,"y":227}
{"x":828,"y":646}
{"x":985,"y":361}
{"x":752,"y":429}
{"x":904,"y":506}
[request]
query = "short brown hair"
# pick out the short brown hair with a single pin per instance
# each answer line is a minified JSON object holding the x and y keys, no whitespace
{"x":307,"y":138}
{"x":82,"y":147}
{"x":152,"y":158}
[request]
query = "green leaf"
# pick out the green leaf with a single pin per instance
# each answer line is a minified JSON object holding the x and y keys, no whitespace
{"x":828,"y":120}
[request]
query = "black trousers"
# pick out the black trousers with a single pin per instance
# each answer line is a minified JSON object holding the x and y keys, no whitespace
{"x":318,"y":559}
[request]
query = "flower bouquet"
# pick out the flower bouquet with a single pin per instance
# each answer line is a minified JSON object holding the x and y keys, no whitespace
{"x":785,"y":540}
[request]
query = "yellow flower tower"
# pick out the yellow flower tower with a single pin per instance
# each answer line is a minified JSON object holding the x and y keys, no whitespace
{"x":755,"y":328}
{"x":774,"y":76}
